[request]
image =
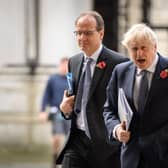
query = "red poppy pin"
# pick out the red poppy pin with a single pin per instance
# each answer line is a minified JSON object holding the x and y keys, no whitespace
{"x":101,"y":65}
{"x":164,"y":73}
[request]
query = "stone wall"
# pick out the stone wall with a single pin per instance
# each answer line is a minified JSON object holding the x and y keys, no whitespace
{"x":20,"y":97}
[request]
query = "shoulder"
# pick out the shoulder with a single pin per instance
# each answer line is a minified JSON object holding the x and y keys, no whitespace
{"x":121,"y":71}
{"x":163,"y":58}
{"x":54,"y":77}
{"x":76,"y":57}
{"x":113,"y":55}
{"x":123,"y":67}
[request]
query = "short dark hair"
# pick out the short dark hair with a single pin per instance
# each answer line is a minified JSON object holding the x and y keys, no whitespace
{"x":96,"y":15}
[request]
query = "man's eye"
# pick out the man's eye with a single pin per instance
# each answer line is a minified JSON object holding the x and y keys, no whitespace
{"x":134,"y":49}
{"x":86,"y":33}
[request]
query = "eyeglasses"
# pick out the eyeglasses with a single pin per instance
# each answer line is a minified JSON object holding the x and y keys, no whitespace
{"x":86,"y":33}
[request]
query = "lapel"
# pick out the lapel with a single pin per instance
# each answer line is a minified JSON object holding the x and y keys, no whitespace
{"x":128,"y":85}
{"x":161,"y":65}
{"x":98,"y":73}
{"x":78,"y":69}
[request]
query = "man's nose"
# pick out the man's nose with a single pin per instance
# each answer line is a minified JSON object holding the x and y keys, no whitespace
{"x":139,"y":52}
{"x":82,"y":35}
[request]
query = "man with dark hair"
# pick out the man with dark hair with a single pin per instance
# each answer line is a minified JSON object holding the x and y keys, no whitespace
{"x":88,"y":146}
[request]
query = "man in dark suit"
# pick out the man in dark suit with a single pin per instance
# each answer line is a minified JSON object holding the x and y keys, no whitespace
{"x":145,"y":143}
{"x":87,"y":145}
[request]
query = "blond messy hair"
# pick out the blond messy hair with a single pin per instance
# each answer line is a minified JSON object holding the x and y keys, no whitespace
{"x":137,"y":32}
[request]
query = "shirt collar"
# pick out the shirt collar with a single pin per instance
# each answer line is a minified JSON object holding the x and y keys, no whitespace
{"x":150,"y":68}
{"x":95,"y":55}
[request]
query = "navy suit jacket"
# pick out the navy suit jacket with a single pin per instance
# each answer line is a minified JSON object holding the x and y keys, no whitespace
{"x":54,"y":91}
{"x":149,"y":130}
{"x":96,"y":100}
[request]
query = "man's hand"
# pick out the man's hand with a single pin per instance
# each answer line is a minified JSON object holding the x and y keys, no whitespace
{"x":67,"y":104}
{"x":43,"y":116}
{"x":122,"y":134}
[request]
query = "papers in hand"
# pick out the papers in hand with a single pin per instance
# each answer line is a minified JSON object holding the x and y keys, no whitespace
{"x":124,"y":109}
{"x":70,"y":83}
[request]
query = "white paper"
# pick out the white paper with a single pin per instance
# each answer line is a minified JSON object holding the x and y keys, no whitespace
{"x":124,"y":109}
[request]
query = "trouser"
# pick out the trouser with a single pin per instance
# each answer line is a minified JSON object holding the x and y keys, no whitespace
{"x":81,"y":154}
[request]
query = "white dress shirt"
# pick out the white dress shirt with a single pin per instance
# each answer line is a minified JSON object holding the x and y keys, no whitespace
{"x":94,"y":56}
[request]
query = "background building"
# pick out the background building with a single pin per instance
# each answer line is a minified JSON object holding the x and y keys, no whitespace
{"x":35,"y":34}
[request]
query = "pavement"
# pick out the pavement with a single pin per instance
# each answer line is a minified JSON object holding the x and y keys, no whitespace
{"x":26,"y":165}
{"x":25,"y":157}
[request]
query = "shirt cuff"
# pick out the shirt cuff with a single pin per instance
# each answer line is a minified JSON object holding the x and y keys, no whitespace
{"x":53,"y":109}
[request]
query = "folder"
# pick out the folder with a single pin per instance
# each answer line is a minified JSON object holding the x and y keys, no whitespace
{"x":70,"y":83}
{"x":124,"y":110}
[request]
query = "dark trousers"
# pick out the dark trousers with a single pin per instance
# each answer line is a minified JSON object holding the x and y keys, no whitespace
{"x":81,"y":154}
{"x":74,"y":160}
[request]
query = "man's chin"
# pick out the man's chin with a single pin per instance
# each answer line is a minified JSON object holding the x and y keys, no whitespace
{"x":82,"y":48}
{"x":141,"y":65}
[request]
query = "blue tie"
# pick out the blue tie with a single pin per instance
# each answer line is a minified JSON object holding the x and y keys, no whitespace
{"x":83,"y":92}
{"x":143,"y":91}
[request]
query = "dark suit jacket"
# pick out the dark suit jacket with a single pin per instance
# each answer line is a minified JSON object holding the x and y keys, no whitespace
{"x":149,"y":130}
{"x":96,"y":99}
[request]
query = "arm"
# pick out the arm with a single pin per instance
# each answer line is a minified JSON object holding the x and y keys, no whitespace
{"x":114,"y":127}
{"x":45,"y":102}
{"x":110,"y":107}
{"x":43,"y":116}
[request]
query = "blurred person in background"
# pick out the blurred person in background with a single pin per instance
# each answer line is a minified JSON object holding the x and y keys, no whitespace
{"x":52,"y":97}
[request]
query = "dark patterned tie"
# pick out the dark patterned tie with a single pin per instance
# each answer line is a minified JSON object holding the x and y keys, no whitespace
{"x":143,"y":91}
{"x":83,"y":92}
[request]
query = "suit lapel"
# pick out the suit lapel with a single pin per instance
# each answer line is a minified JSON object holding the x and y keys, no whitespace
{"x":129,"y":83}
{"x":98,"y":73}
{"x":161,"y":65}
{"x":78,"y":69}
